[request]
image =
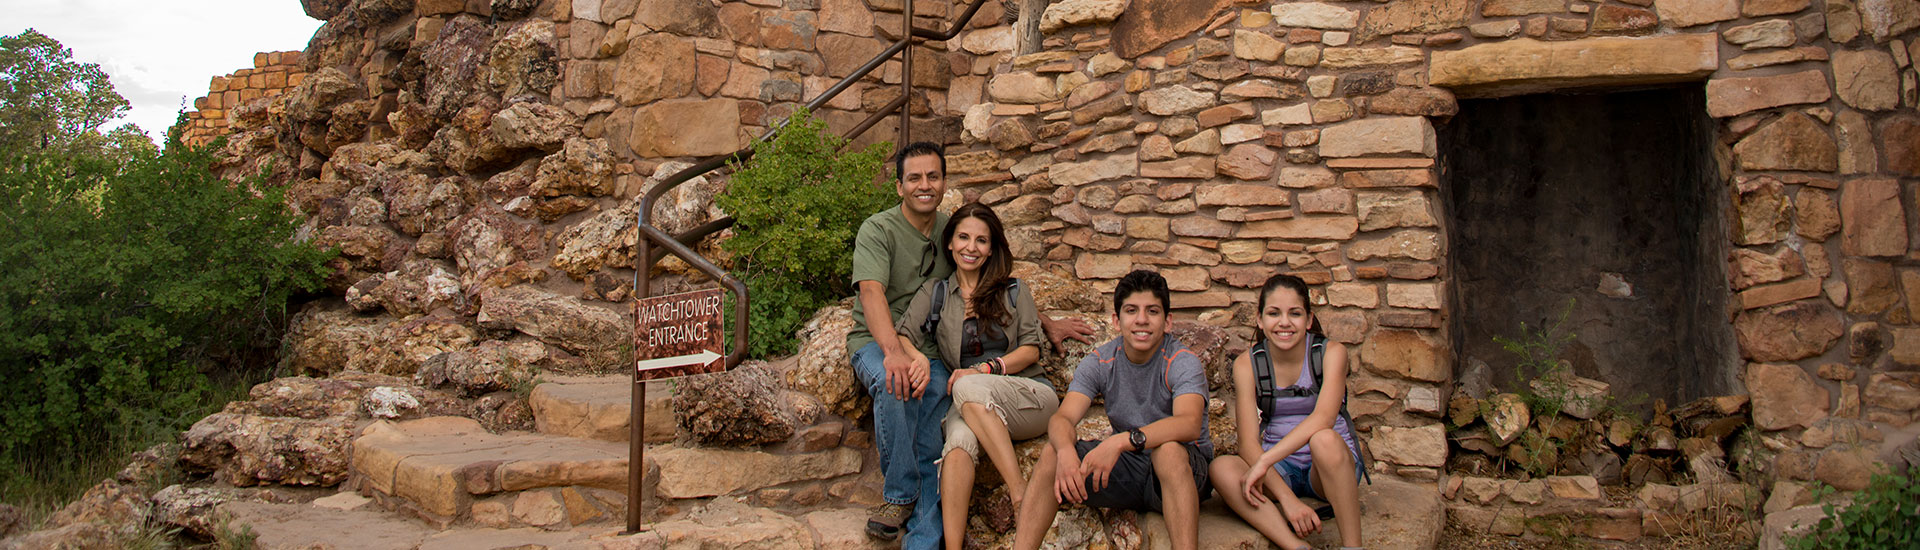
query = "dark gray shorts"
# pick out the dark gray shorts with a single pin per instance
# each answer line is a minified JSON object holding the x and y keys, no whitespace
{"x":1133,"y":485}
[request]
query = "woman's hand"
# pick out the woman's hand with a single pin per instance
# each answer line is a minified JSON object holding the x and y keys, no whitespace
{"x":918,"y":374}
{"x":957,"y":375}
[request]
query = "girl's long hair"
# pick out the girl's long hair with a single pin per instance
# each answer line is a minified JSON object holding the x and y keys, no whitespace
{"x":990,"y":297}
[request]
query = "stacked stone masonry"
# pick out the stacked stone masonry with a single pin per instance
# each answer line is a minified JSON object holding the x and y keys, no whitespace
{"x":478,"y":165}
{"x":273,"y":73}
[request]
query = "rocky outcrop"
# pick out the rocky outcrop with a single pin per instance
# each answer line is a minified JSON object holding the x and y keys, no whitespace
{"x":248,"y":450}
{"x":598,"y":335}
{"x":744,"y":406}
{"x":823,"y":369}
{"x":494,"y":365}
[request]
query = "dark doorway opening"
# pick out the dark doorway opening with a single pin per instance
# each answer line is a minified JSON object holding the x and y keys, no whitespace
{"x":1610,"y":200}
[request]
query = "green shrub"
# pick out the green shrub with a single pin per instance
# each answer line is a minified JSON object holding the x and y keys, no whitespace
{"x":120,"y":282}
{"x":1884,"y":515}
{"x":797,"y":204}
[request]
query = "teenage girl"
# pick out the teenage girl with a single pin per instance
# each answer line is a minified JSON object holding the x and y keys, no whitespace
{"x":1308,"y":446}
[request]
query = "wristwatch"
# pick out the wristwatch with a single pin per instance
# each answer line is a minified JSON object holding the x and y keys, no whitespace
{"x":1137,"y":438}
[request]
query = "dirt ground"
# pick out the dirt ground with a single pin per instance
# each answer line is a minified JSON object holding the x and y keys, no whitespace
{"x":1458,"y":538}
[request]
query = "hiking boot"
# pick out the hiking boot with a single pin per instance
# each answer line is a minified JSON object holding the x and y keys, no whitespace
{"x":884,"y":522}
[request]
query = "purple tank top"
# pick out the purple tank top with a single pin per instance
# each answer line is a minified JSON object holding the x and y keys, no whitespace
{"x":1290,"y":411}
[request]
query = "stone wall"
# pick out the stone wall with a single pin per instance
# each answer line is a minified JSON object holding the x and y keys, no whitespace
{"x":273,"y":73}
{"x":1218,"y":144}
{"x":478,"y":162}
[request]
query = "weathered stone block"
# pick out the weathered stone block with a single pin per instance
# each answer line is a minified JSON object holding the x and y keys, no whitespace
{"x":1794,"y":142}
{"x":686,"y":128}
{"x":1788,"y":332}
{"x":1379,"y":135}
{"x":1688,"y":13}
{"x":1866,"y":80}
{"x":1523,"y":65}
{"x":1407,"y":354}
{"x":1315,"y":15}
{"x":1727,"y":97}
{"x":1873,"y":221}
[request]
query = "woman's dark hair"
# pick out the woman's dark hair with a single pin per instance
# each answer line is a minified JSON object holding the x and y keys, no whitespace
{"x":990,"y":297}
{"x":1298,"y":286}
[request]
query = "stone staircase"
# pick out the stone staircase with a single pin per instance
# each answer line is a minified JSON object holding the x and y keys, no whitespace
{"x":446,"y":482}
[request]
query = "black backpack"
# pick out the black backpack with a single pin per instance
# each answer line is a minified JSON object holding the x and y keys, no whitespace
{"x":1265,"y":390}
{"x":940,"y":301}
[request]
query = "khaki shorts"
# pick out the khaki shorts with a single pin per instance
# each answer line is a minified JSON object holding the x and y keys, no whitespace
{"x":1023,"y":403}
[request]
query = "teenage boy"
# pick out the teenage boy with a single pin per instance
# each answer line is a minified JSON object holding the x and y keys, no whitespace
{"x":894,"y":252}
{"x":1156,"y":398}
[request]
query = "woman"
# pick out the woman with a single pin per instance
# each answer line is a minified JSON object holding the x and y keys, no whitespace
{"x":1308,"y":445}
{"x":985,"y":324}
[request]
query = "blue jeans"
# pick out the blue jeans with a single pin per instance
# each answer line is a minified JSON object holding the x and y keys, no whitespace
{"x":907,"y":435}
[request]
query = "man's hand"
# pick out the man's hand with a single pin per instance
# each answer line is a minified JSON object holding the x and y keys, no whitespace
{"x":1060,"y":330}
{"x":1069,"y":485}
{"x":899,"y":368}
{"x":1099,"y":462}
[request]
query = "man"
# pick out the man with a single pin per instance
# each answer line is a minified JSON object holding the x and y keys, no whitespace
{"x":1156,"y":398}
{"x":895,"y":252}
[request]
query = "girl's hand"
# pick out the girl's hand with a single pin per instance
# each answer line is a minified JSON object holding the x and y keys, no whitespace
{"x":1300,"y":516}
{"x":1251,"y":486}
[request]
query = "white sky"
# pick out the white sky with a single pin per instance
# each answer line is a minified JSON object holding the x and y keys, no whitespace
{"x":161,"y":53}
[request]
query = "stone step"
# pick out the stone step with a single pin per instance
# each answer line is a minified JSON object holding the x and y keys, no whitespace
{"x":447,"y":469}
{"x":599,"y":407}
{"x":325,"y":523}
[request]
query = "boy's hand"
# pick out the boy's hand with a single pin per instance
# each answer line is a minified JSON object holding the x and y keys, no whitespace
{"x":1099,"y":462}
{"x":1069,"y":485}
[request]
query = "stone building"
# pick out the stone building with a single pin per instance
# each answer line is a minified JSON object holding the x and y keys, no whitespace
{"x":1724,"y":189}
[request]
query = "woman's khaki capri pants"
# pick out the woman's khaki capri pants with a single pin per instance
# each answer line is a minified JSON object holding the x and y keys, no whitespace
{"x":1023,"y":403}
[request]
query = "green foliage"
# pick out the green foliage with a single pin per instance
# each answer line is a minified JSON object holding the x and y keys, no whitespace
{"x":120,"y":283}
{"x":48,"y":101}
{"x":1539,"y":353}
{"x":797,"y":204}
{"x":1884,"y":515}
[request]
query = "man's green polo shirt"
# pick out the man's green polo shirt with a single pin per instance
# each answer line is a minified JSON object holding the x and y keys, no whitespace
{"x":890,"y":250}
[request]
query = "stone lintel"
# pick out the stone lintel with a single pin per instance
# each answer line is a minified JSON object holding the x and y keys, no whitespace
{"x":1524,"y":66}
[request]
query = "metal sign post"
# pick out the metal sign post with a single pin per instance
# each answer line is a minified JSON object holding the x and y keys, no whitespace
{"x":673,"y":336}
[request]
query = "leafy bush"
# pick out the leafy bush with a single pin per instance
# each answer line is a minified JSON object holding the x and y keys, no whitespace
{"x":797,"y":204}
{"x":119,"y":284}
{"x":1884,"y":515}
{"x":1539,"y":352}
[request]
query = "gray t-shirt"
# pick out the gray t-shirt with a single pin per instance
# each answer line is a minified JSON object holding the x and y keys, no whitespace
{"x":1138,"y":395}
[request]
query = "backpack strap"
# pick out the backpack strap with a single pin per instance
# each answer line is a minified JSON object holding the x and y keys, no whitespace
{"x":1013,"y":297}
{"x":1263,"y":388}
{"x":1316,"y":353}
{"x":939,"y":301}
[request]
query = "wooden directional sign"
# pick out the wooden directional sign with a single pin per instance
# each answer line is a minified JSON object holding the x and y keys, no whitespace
{"x":678,"y":335}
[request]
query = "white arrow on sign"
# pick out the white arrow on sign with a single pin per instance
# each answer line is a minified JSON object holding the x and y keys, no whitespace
{"x":701,"y":358}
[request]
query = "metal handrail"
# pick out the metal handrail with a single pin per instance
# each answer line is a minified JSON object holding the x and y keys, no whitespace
{"x":681,"y":245}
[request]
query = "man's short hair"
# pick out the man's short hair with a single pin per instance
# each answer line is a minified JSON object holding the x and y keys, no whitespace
{"x":916,"y":149}
{"x":1142,"y":280}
